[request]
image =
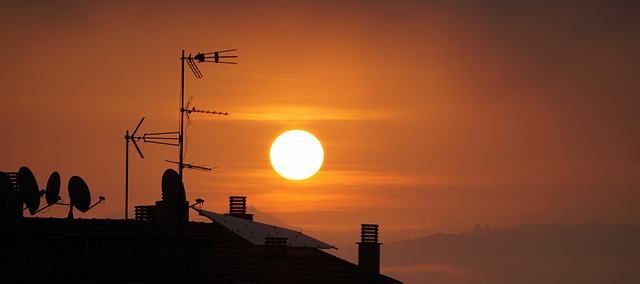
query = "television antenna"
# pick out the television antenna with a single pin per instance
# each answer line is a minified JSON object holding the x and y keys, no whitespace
{"x":192,"y":166}
{"x":188,"y":112}
{"x":193,"y":109}
{"x":223,"y":56}
{"x":163,"y":138}
{"x":176,"y":138}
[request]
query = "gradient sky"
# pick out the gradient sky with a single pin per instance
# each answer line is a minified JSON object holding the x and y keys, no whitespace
{"x":432,"y":113}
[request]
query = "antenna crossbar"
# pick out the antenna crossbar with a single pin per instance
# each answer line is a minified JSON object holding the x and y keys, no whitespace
{"x":216,"y":56}
{"x":191,"y":166}
{"x":164,"y":138}
{"x":194,"y":67}
{"x":193,"y":109}
{"x":100,"y":200}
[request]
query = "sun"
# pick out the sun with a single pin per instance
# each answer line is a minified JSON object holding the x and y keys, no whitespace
{"x":296,"y":155}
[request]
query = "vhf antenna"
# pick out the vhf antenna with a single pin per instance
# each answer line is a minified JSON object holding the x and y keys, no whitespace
{"x":193,"y":109}
{"x":189,"y":111}
{"x":192,"y":166}
{"x":222,"y":56}
{"x":163,"y":138}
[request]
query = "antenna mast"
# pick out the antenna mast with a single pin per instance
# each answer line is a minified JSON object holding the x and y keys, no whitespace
{"x":163,"y":138}
{"x":169,"y":138}
{"x":215,"y":57}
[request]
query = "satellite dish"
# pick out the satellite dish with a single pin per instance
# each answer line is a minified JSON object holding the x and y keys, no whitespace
{"x":53,"y":189}
{"x":79,"y":194}
{"x":172,"y":189}
{"x":29,"y":189}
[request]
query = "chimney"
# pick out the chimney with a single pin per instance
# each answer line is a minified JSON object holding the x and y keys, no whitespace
{"x":369,"y":249}
{"x":238,"y":207}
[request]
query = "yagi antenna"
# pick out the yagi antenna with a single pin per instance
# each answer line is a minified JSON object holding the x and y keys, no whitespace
{"x":133,"y":139}
{"x":163,"y":138}
{"x":194,"y":67}
{"x":216,"y":56}
{"x":192,"y":166}
{"x":222,"y":56}
{"x":188,"y":110}
{"x":209,"y":57}
{"x":193,"y":109}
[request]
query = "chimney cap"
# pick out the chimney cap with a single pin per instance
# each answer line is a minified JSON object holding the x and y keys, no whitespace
{"x":369,"y":233}
{"x":369,"y":249}
{"x":238,"y":207}
{"x":237,"y":204}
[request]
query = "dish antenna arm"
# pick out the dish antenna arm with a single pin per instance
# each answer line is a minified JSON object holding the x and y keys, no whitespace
{"x":100,"y":200}
{"x":198,"y":205}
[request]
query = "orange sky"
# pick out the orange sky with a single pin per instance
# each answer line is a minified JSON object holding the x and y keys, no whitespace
{"x":431,"y":114}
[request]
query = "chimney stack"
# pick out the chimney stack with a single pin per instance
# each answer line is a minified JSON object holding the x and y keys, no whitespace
{"x":238,"y":207}
{"x":369,"y":249}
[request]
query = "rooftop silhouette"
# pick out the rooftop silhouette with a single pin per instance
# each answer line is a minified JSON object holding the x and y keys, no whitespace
{"x":161,"y":246}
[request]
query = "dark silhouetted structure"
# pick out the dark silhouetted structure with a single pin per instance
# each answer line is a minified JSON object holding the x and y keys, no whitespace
{"x":369,"y":249}
{"x":238,"y":207}
{"x":161,"y":246}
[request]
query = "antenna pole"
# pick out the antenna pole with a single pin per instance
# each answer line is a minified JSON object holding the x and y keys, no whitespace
{"x":200,"y":57}
{"x":126,"y":179}
{"x":181,"y":136}
{"x":126,"y":167}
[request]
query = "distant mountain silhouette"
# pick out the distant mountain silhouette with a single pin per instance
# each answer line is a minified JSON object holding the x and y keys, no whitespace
{"x":269,"y":218}
{"x":542,"y":253}
{"x":538,"y":253}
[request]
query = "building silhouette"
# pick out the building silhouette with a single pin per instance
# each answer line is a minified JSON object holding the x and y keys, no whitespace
{"x":161,"y":246}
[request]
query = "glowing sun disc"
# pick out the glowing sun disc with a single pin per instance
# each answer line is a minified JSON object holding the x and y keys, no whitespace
{"x":296,"y":155}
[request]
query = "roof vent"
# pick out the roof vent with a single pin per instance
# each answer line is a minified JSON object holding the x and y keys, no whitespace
{"x":145,"y":212}
{"x":13,"y":177}
{"x":275,"y":246}
{"x":276,"y":265}
{"x":369,"y":249}
{"x":369,"y":233}
{"x":237,"y":204}
{"x":238,"y":207}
